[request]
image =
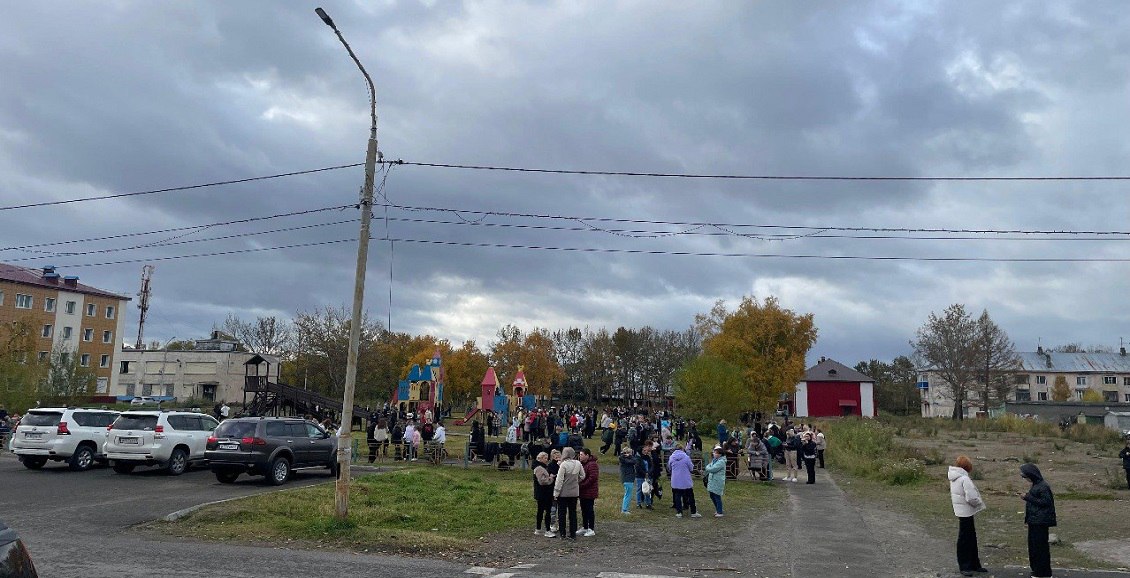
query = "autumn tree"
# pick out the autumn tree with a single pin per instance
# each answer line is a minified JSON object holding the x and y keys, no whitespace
{"x":533,"y":351}
{"x":321,"y":350}
{"x":20,"y":369}
{"x":708,"y":387}
{"x":1060,"y":391}
{"x":66,"y":377}
{"x":1092,"y":396}
{"x":765,"y":342}
{"x":267,"y":335}
{"x":895,"y":390}
{"x":464,"y":369}
{"x":996,"y":361}
{"x":947,"y":345}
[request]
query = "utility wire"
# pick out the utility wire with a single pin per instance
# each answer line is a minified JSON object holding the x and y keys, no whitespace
{"x":773,"y":255}
{"x":215,"y":254}
{"x":460,"y":212}
{"x":749,"y":177}
{"x":175,"y":229}
{"x":183,"y":188}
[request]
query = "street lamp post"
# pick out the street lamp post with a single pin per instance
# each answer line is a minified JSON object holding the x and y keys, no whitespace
{"x":344,"y":442}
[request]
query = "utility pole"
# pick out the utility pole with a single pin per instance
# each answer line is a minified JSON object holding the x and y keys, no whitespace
{"x":143,"y":303}
{"x":345,"y":439}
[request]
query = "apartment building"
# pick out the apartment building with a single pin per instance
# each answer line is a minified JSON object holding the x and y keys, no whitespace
{"x":1107,"y":374}
{"x":67,"y":315}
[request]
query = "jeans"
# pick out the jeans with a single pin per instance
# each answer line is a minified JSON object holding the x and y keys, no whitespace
{"x":717,"y":502}
{"x":810,"y":465}
{"x":769,"y":467}
{"x":629,"y":488}
{"x":683,"y":498}
{"x":820,"y":457}
{"x":588,"y":513}
{"x":1039,"y":556}
{"x":967,"y":559}
{"x":641,"y":499}
{"x":567,"y":508}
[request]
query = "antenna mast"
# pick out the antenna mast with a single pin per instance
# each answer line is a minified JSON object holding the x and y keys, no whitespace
{"x":143,"y":304}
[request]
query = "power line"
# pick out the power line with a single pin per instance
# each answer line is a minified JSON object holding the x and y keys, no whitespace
{"x":722,"y":232}
{"x":747,"y":177}
{"x":460,"y":212}
{"x":182,"y":188}
{"x":215,"y":254}
{"x":176,"y":229}
{"x":772,"y":255}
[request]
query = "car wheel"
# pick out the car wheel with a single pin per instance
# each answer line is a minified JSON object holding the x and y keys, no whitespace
{"x":335,"y":469}
{"x":34,"y":462}
{"x":178,"y":462}
{"x":123,"y":467}
{"x":279,"y":472}
{"x":82,"y":459}
{"x":226,"y":476}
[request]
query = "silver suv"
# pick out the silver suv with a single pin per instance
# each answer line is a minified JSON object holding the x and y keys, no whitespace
{"x":170,"y":439}
{"x":69,"y":434}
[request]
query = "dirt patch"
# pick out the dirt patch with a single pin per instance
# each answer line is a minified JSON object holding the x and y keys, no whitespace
{"x":1114,"y":551}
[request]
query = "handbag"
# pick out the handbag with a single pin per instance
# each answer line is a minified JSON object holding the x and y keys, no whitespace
{"x":645,"y":488}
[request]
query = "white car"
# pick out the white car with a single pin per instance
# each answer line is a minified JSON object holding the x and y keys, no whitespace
{"x":170,"y":439}
{"x":74,"y":435}
{"x":144,"y":400}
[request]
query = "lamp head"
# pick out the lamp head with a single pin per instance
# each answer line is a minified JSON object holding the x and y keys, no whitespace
{"x":325,"y":17}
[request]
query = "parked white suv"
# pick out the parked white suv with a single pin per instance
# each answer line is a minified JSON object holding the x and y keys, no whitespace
{"x":170,"y":439}
{"x":74,"y":435}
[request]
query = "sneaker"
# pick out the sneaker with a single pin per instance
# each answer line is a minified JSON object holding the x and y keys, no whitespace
{"x":718,"y":515}
{"x":550,"y":534}
{"x":626,"y":512}
{"x":679,"y":515}
{"x":537,"y":532}
{"x":589,"y":533}
{"x":696,"y":515}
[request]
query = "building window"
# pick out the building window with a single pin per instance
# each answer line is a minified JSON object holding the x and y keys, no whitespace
{"x":49,"y":305}
{"x":1079,"y":394}
{"x":1110,"y":396}
{"x":123,"y":367}
{"x":90,"y":310}
{"x":1041,"y":380}
{"x":1020,"y":379}
{"x":131,"y":389}
{"x":1081,"y":380}
{"x":1109,"y":380}
{"x":104,"y":361}
{"x":1023,"y":395}
{"x":71,"y":307}
{"x":1042,"y":395}
{"x":147,"y":389}
{"x":23,"y":301}
{"x":88,"y":334}
{"x":43,"y":356}
{"x":47,"y":330}
{"x":1,"y":297}
{"x":107,"y":336}
{"x":1128,"y":398}
{"x":169,"y":390}
{"x":109,"y":312}
{"x":84,"y":360}
{"x":67,"y":332}
{"x":1126,"y":381}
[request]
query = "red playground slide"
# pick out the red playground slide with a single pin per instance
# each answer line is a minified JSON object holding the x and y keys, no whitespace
{"x":468,"y":417}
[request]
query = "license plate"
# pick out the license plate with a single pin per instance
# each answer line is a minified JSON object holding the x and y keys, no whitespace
{"x":229,"y":447}
{"x":33,"y":436}
{"x":128,"y":441}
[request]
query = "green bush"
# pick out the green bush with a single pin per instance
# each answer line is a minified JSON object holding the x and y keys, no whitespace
{"x":866,"y":448}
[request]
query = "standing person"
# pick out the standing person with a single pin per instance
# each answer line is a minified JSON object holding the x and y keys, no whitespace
{"x":792,"y":446}
{"x":606,"y":436}
{"x":543,"y":494}
{"x":644,"y":464}
{"x":808,"y":452}
{"x":693,"y":437}
{"x":566,"y":490}
{"x":682,"y":485}
{"x":627,"y":478}
{"x":716,"y":480}
{"x":1039,"y":515}
{"x":966,"y":504}
{"x":410,"y":441}
{"x":590,"y":491}
{"x":1125,"y":455}
{"x":225,"y":411}
{"x":380,"y":440}
{"x":758,"y":456}
{"x":723,"y":434}
{"x":821,"y":445}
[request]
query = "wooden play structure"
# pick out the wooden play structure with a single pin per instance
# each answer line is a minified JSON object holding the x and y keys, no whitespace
{"x":494,"y":399}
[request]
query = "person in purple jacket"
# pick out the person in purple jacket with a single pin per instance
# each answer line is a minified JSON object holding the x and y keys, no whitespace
{"x":682,"y":486}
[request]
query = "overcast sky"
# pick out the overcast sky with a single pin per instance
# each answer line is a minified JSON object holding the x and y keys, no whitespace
{"x":113,"y":97}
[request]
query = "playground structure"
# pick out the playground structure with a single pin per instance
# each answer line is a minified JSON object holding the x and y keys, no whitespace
{"x":422,"y":392}
{"x":270,"y":398}
{"x":494,"y":400}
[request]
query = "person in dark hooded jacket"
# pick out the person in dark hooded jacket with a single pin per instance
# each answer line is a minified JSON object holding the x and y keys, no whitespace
{"x":1039,"y":515}
{"x":1125,"y":455}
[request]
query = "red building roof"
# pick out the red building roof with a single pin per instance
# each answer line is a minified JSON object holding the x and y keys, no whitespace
{"x":49,"y":279}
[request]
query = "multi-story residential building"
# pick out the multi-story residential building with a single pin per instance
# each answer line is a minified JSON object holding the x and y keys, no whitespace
{"x":67,"y":315}
{"x":1107,"y":374}
{"x":212,"y":370}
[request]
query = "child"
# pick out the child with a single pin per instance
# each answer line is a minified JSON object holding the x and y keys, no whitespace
{"x":1039,"y":515}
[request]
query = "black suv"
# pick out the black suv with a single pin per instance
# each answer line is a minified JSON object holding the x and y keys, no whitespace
{"x":269,"y":446}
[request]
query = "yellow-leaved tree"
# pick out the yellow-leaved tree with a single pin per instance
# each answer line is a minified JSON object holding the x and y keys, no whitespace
{"x":760,"y":344}
{"x":1060,"y":391}
{"x":532,"y":351}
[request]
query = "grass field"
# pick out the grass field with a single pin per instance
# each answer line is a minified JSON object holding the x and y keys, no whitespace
{"x":1086,"y":477}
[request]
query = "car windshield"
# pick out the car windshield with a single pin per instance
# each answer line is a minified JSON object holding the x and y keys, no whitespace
{"x":235,"y":429}
{"x":142,"y":422}
{"x":41,"y":418}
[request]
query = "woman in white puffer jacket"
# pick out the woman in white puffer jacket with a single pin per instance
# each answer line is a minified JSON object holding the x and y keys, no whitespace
{"x":966,"y":503}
